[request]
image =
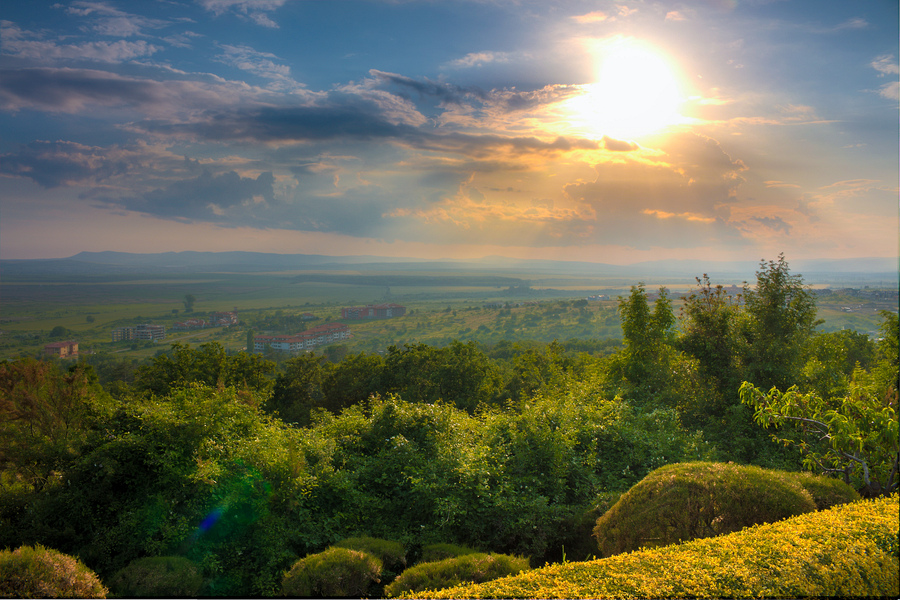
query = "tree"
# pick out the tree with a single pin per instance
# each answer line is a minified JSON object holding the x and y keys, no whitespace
{"x":855,"y":436}
{"x":298,"y":390}
{"x":779,"y":316}
{"x":45,"y":415}
{"x":189,"y":300}
{"x":709,"y":324}
{"x":209,"y":364}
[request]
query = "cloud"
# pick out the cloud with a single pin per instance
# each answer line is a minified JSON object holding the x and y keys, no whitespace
{"x":253,"y":10}
{"x":444,"y":92}
{"x":207,"y":197}
{"x":477,"y":59}
{"x":775,"y":223}
{"x":260,"y":64}
{"x":23,"y":44}
{"x":618,"y":145}
{"x":597,"y":16}
{"x":56,"y":164}
{"x":75,"y":90}
{"x":112,"y":21}
{"x":674,"y":15}
{"x":886,"y":65}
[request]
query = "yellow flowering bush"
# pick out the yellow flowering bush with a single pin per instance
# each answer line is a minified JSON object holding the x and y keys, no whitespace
{"x":849,"y":550}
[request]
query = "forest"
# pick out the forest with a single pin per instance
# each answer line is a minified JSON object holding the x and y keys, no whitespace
{"x":242,"y":464}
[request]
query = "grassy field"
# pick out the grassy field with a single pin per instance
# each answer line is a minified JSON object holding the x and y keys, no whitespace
{"x":439,"y":309}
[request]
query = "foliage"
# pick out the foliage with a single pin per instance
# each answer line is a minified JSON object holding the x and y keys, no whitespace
{"x":694,"y":500}
{"x":459,"y":373}
{"x":780,"y":316}
{"x":475,"y":567}
{"x":850,"y":550}
{"x":391,"y":554}
{"x":856,"y":436}
{"x":337,"y":572}
{"x":38,"y":572}
{"x":298,"y":390}
{"x":44,"y":417}
{"x":826,"y":492}
{"x":440,"y":551}
{"x":200,"y":474}
{"x":158,"y":576}
{"x":208,"y":365}
{"x":709,"y":324}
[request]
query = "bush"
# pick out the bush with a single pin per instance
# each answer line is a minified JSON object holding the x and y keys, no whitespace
{"x":158,"y":576}
{"x":474,"y":568}
{"x":40,"y":572}
{"x":850,"y":550}
{"x":392,"y":554}
{"x":695,"y":500}
{"x":436,"y":552}
{"x":334,"y":572}
{"x":826,"y":492}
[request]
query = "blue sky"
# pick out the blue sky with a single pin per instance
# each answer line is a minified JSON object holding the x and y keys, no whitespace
{"x":601,"y":131}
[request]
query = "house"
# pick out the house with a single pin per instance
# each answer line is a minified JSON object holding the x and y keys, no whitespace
{"x":145,"y":332}
{"x":67,"y":349}
{"x":303,"y":341}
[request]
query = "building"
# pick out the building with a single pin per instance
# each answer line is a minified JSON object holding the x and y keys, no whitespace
{"x":67,"y":349}
{"x":373,"y":311}
{"x":303,"y":341}
{"x":223,"y":319}
{"x":145,"y":332}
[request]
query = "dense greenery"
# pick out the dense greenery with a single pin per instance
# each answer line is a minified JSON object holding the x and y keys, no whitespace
{"x":243,"y":465}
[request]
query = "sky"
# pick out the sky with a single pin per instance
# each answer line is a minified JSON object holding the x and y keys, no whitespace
{"x":611,"y":132}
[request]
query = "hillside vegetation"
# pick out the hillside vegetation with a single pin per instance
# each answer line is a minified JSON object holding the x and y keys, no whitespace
{"x":231,"y":467}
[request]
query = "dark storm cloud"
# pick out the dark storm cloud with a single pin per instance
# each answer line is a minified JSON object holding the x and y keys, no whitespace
{"x":55,"y":164}
{"x":207,"y":197}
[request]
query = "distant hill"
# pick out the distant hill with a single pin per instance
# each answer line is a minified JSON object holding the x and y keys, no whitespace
{"x":117,"y":264}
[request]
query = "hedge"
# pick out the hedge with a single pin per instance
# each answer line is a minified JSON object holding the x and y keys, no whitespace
{"x":476,"y":567}
{"x":38,"y":572}
{"x":850,"y":550}
{"x":685,"y":501}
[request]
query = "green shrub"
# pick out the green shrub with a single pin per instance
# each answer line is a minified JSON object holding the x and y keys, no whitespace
{"x":850,"y":551}
{"x":436,"y":552}
{"x":40,"y":572}
{"x":334,"y":572}
{"x":695,"y":500}
{"x":392,"y":554}
{"x":826,"y":492}
{"x":475,"y":568}
{"x":158,"y":576}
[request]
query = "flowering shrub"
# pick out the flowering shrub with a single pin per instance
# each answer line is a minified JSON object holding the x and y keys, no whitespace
{"x":477,"y":567}
{"x":334,"y":572}
{"x":693,"y":500}
{"x":40,"y":572}
{"x":158,"y":576}
{"x":850,"y":550}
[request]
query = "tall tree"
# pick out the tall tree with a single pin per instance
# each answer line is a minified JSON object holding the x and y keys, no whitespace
{"x":780,"y":315}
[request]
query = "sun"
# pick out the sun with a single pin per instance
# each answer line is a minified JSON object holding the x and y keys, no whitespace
{"x":635,"y":93}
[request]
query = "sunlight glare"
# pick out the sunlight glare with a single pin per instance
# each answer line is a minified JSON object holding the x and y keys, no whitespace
{"x":635,"y":93}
